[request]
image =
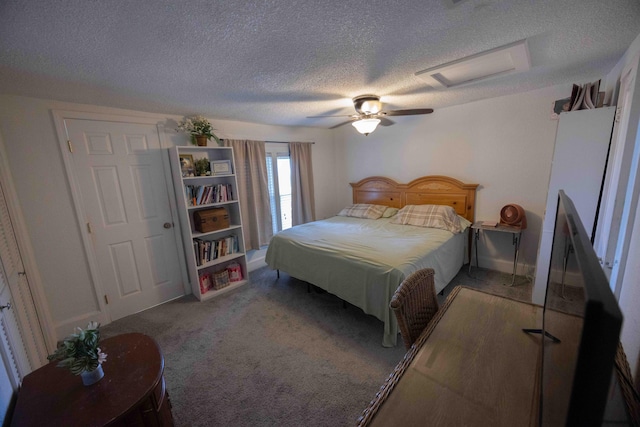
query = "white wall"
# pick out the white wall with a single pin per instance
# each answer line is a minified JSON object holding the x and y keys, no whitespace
{"x":504,"y":144}
{"x":36,"y":164}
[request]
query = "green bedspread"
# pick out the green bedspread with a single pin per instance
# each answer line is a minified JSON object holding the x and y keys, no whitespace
{"x":363,"y":261}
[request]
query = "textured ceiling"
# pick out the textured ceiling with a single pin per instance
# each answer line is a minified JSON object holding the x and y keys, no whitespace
{"x":276,"y":62}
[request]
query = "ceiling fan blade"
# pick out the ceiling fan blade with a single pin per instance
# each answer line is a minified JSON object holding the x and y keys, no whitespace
{"x":340,"y":115}
{"x":385,"y":122}
{"x":412,"y":112}
{"x":340,"y":124}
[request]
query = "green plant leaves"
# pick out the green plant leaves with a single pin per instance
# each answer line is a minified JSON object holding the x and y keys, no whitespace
{"x":79,"y":351}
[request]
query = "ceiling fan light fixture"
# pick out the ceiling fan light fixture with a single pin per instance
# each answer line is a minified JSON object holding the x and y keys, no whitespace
{"x":369,"y":114}
{"x":367,"y":104}
{"x":366,"y":126}
{"x":371,"y":107}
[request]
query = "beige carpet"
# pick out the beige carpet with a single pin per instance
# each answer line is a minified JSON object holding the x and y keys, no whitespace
{"x":272,"y":354}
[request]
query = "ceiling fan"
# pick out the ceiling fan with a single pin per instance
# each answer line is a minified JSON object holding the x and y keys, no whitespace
{"x":369,"y":114}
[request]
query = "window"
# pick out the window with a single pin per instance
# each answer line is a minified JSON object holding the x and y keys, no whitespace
{"x":279,"y":176}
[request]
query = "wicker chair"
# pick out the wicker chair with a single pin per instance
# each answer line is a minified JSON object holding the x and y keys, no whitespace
{"x":414,"y":304}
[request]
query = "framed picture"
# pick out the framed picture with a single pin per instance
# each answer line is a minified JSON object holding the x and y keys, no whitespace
{"x":221,"y":167}
{"x":186,"y":165}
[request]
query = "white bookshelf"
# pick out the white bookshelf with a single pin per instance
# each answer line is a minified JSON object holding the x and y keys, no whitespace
{"x":187,"y":209}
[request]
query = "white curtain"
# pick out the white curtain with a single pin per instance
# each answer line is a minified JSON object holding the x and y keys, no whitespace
{"x":302,"y":197}
{"x":253,"y":192}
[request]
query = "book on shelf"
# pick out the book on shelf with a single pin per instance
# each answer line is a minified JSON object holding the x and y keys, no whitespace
{"x":595,"y":89}
{"x":209,"y":250}
{"x":577,"y":103}
{"x":587,"y":96}
{"x":489,"y":223}
{"x":198,"y":195}
{"x":574,"y":95}
{"x":587,"y":104}
{"x":196,"y":251}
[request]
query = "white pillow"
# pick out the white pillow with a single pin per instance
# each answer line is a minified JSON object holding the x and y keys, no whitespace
{"x":363,"y":210}
{"x":434,"y":216}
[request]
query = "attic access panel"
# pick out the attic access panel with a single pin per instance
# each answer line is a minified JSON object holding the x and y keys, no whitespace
{"x":513,"y":57}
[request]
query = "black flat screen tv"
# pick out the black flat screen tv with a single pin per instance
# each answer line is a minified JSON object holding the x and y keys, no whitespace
{"x":581,"y":328}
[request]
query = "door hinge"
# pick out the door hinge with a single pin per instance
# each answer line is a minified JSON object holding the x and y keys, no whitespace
{"x":106,"y":299}
{"x":89,"y":229}
{"x":70,"y":145}
{"x":618,"y":114}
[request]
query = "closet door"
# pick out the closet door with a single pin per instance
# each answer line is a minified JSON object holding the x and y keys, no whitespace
{"x":8,"y":386}
{"x":578,"y":166}
{"x":15,"y":299}
{"x":13,"y":354}
{"x":11,"y":350}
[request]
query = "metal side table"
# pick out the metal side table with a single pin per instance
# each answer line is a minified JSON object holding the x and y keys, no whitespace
{"x":516,"y":234}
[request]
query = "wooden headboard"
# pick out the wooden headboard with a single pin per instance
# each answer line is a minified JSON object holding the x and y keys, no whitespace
{"x":427,"y":190}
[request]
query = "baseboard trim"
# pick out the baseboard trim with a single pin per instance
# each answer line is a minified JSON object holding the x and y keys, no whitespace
{"x":255,"y":259}
{"x":504,"y":266}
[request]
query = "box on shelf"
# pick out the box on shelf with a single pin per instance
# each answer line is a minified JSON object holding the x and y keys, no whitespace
{"x":221,"y":279}
{"x":205,"y":282}
{"x":235,"y":272}
{"x":213,"y":219}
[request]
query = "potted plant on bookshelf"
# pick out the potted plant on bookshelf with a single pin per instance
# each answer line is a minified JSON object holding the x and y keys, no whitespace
{"x":199,"y":128}
{"x":80,"y":353}
{"x":202,"y":167}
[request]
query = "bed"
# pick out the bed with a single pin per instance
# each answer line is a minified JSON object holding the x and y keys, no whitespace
{"x":363,"y":261}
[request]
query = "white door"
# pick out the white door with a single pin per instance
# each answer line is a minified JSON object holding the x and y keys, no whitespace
{"x":119,"y":171}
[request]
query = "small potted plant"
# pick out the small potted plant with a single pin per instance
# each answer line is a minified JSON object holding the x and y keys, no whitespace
{"x":80,"y":353}
{"x":199,"y":128}
{"x":202,"y":167}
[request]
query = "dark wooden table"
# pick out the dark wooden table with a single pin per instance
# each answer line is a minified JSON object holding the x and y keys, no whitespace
{"x":132,"y":391}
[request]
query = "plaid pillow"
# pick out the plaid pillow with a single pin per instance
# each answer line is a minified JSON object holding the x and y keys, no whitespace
{"x":389,"y":212}
{"x":434,"y":216}
{"x":363,"y":210}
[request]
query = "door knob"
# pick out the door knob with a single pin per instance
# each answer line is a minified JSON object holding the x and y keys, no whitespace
{"x":167,"y":225}
{"x":7,"y":306}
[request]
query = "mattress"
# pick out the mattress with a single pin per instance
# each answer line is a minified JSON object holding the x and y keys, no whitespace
{"x":363,"y":261}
